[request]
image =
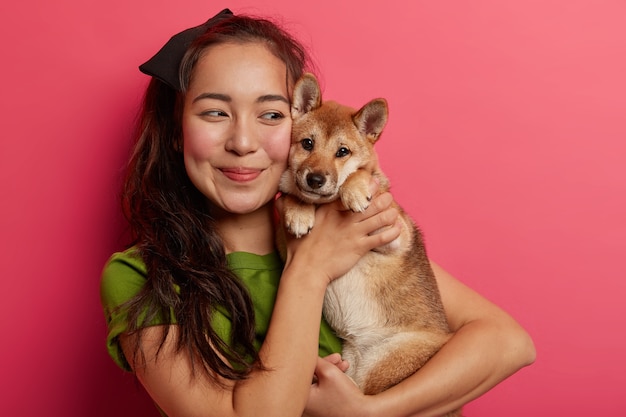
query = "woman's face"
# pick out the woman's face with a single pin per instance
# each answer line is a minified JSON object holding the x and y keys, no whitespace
{"x":237,"y":125}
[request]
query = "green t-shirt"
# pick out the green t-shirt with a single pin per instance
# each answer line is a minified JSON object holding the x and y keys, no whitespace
{"x":125,"y":274}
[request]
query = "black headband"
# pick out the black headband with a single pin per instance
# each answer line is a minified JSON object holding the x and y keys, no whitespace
{"x":166,"y":63}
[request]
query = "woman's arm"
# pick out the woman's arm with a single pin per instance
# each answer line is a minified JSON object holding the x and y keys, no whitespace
{"x":487,"y":347}
{"x":289,"y":351}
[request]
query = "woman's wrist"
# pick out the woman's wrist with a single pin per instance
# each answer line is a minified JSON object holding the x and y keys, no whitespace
{"x":306,"y":276}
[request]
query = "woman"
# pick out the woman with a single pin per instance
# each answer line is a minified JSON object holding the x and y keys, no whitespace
{"x":195,"y":307}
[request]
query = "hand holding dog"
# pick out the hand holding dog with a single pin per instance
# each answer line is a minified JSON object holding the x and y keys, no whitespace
{"x":333,"y":253}
{"x":333,"y":393}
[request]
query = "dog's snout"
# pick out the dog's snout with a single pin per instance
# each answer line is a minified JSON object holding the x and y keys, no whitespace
{"x":315,"y":181}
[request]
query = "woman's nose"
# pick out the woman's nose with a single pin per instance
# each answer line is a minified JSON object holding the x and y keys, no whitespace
{"x":242,"y":139}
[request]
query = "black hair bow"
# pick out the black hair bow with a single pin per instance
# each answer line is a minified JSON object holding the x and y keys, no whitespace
{"x":165,"y":64}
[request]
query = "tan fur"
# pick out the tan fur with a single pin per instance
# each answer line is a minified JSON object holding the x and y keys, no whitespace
{"x":387,"y":309}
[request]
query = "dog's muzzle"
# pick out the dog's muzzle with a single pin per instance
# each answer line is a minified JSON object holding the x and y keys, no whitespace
{"x":315,"y":180}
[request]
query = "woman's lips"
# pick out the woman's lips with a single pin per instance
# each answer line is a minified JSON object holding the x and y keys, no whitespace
{"x":241,"y":174}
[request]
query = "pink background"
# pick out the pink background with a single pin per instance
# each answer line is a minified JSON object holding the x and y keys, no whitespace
{"x":506,"y":142}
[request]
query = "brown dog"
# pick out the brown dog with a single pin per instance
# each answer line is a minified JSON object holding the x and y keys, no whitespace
{"x":387,"y":309}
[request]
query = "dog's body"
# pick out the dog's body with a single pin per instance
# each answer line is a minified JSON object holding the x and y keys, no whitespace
{"x":387,"y":309}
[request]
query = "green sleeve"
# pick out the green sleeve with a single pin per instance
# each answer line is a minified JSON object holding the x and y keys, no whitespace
{"x":122,"y":278}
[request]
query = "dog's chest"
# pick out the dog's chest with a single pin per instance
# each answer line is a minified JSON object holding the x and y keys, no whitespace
{"x":350,"y":305}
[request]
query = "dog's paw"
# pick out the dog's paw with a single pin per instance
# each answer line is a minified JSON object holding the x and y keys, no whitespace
{"x":300,"y":222}
{"x":298,"y":229}
{"x":355,"y":199}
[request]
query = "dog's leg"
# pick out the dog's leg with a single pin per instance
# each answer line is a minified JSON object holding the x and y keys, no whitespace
{"x":397,"y":358}
{"x":299,"y":216}
{"x":354,"y":192}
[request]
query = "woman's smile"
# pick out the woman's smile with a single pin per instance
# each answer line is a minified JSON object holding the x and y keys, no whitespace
{"x":241,"y":174}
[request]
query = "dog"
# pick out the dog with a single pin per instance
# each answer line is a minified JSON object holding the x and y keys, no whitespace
{"x":387,"y":309}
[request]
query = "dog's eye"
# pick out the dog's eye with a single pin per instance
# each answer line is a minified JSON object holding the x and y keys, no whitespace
{"x":343,"y":151}
{"x":307,"y":144}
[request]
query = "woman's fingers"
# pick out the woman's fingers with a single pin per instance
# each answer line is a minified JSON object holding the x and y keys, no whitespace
{"x":380,"y":221}
{"x":335,"y":359}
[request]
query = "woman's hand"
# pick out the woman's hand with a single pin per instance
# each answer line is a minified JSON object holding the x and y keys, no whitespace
{"x":333,"y":393}
{"x":335,"y":359}
{"x":340,"y":237}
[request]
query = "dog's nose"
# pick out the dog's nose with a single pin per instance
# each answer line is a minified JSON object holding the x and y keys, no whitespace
{"x":315,"y":180}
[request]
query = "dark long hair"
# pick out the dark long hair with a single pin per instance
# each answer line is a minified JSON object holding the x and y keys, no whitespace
{"x":172,"y":227}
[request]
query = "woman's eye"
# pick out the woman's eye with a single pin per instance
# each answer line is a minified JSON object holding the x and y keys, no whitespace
{"x":307,"y":144}
{"x":214,"y":113}
{"x":343,"y":151}
{"x":272,"y":115}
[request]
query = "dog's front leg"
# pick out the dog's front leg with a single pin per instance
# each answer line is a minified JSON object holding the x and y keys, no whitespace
{"x":354,"y":192}
{"x":299,"y":216}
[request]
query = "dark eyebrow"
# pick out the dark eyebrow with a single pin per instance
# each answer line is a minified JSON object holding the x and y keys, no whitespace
{"x":214,"y":96}
{"x":272,"y":97}
{"x":224,"y":97}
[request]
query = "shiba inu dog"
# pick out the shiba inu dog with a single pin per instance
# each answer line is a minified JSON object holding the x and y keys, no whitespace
{"x":387,"y":309}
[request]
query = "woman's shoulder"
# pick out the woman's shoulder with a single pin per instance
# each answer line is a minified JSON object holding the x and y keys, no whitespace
{"x":129,"y":257}
{"x":123,"y":275}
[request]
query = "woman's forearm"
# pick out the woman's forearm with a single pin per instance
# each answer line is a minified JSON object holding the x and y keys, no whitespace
{"x":289,"y":351}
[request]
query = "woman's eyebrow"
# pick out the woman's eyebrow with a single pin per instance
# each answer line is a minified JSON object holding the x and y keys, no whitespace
{"x":226,"y":98}
{"x":272,"y":97}
{"x":214,"y":96}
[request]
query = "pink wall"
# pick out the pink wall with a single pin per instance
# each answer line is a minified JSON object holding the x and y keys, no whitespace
{"x":507,"y":142}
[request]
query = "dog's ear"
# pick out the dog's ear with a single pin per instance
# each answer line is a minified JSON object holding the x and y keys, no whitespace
{"x":371,"y":118}
{"x":306,"y":96}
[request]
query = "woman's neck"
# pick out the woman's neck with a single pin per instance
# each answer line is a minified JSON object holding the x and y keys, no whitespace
{"x":250,"y":232}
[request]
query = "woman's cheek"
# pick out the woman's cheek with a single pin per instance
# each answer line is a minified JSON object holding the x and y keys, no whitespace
{"x":198,"y":141}
{"x":278,"y":147}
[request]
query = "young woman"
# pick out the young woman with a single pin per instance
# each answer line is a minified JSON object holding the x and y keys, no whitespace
{"x":201,"y":309}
